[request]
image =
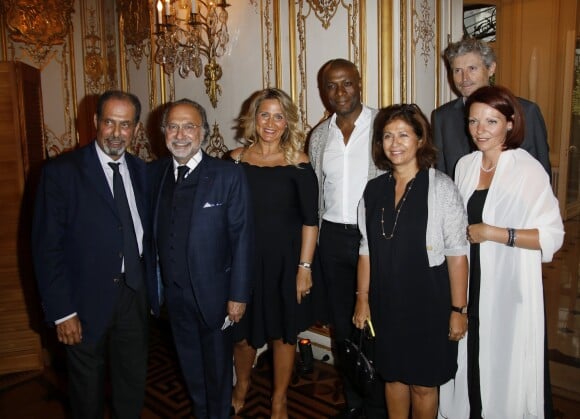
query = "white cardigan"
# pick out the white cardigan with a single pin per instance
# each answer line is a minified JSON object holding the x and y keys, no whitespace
{"x":446,"y":220}
{"x":511,"y":352}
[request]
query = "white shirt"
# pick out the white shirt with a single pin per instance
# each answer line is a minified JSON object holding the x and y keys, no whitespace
{"x":345,"y":168}
{"x":192,"y":164}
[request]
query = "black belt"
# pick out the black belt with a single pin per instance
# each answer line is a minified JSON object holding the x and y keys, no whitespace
{"x":341,"y":225}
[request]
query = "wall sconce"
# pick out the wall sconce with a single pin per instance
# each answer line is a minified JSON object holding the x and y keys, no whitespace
{"x":185,"y":35}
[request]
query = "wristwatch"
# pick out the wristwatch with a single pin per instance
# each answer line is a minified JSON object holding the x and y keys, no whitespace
{"x":462,"y":310}
{"x":306,"y":265}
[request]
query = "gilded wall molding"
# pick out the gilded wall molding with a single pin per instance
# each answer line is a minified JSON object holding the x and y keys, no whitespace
{"x":94,"y":63}
{"x":403,"y":52}
{"x":39,"y":25}
{"x":324,"y":11}
{"x":267,"y":30}
{"x":55,"y":144}
{"x":386,"y":57}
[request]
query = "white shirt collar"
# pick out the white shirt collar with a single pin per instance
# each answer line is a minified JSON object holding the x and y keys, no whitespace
{"x":105,"y":159}
{"x":192,"y":163}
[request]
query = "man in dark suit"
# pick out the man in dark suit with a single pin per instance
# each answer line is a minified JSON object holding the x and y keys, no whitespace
{"x":203,"y":235}
{"x":88,"y":241}
{"x":471,"y":63}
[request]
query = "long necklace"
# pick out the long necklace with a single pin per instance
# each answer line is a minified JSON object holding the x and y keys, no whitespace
{"x":409,"y":187}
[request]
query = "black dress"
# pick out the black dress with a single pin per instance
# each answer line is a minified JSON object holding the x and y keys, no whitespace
{"x":409,"y":300}
{"x":474,"y":216}
{"x":284,"y":199}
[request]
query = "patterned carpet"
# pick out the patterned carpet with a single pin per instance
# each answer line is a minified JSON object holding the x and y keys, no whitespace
{"x":311,"y":396}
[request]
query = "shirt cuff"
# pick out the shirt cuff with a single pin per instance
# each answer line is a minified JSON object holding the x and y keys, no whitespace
{"x":62,"y":320}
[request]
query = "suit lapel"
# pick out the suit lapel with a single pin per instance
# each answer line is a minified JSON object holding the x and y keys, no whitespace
{"x":206,"y":177}
{"x":137,"y":173}
{"x":159,"y":180}
{"x":93,"y":171}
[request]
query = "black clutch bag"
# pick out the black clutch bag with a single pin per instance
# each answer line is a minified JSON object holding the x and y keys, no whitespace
{"x":356,"y":361}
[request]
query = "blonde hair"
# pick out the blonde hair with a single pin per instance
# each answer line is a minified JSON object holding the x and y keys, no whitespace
{"x":293,"y":138}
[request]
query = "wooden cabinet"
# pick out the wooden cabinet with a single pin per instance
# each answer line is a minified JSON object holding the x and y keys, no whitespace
{"x":21,"y":155}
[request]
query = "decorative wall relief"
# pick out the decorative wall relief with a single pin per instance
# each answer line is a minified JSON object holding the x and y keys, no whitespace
{"x":423,"y":30}
{"x":216,"y":146}
{"x":140,"y":146}
{"x":95,"y":65}
{"x":324,"y":10}
{"x":40,"y":25}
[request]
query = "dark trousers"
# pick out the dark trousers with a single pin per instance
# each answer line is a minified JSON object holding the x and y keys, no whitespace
{"x":124,"y":346}
{"x":338,"y":250}
{"x":205,"y":355}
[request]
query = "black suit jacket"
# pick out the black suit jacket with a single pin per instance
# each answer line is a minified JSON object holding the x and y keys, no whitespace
{"x":452,"y":139}
{"x":76,"y":240}
{"x":221,"y":236}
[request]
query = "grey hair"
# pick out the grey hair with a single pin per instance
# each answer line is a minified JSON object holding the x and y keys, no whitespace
{"x":467,"y":45}
{"x":193,"y":104}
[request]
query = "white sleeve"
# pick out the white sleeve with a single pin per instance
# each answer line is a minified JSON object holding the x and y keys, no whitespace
{"x":362,"y":226}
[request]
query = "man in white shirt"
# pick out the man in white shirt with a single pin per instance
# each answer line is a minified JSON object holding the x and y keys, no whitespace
{"x":340,"y":152}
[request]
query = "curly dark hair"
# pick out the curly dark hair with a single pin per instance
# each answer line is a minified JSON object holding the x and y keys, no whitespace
{"x":412,"y":115}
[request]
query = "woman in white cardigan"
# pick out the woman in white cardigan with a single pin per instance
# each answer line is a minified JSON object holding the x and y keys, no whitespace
{"x":514,"y":226}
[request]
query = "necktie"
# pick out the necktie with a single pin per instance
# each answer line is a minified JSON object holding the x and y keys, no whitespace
{"x":181,"y":172}
{"x":130,"y":249}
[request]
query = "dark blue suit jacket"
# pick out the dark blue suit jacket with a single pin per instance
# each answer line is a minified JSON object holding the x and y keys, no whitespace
{"x":452,"y":140}
{"x":221,"y":236}
{"x":76,"y":239}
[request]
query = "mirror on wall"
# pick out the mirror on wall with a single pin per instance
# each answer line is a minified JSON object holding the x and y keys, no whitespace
{"x":479,"y":21}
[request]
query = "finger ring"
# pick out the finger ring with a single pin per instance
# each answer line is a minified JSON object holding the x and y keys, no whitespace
{"x":307,"y":292}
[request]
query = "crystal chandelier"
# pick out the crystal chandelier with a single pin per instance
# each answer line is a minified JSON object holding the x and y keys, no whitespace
{"x":185,"y":35}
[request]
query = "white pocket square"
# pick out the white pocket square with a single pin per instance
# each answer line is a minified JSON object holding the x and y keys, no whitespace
{"x":211,"y":205}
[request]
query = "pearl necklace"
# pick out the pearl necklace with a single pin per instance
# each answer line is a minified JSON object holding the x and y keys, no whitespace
{"x":409,"y":187}
{"x":487,"y":170}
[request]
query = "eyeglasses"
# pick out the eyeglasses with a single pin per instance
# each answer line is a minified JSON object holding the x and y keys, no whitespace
{"x":186,"y":128}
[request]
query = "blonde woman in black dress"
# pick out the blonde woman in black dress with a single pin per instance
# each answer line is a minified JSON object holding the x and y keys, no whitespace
{"x":285,"y":203}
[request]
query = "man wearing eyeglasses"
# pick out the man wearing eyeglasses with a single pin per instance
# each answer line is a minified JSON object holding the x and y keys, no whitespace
{"x":89,"y":238}
{"x":203,"y":233}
